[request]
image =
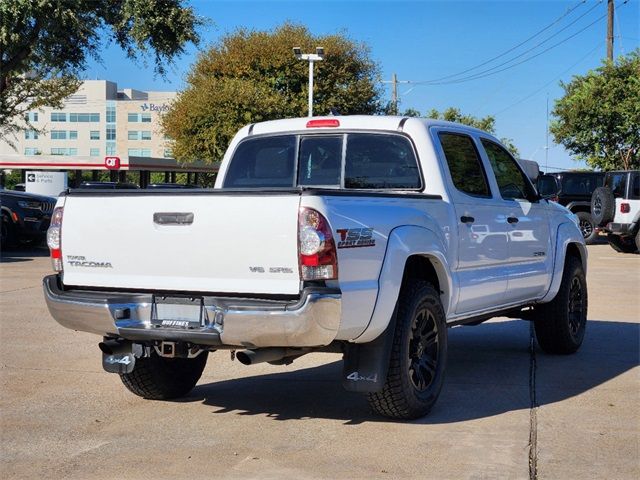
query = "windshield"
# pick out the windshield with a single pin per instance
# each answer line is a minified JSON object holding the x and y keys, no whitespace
{"x":353,"y":161}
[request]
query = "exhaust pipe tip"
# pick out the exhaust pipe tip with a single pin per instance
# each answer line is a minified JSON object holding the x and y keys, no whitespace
{"x":244,"y":357}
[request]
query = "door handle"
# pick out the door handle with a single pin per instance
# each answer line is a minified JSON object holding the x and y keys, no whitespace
{"x":467,"y":219}
{"x":512,"y":220}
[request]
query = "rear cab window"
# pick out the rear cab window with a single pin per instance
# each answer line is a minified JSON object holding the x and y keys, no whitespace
{"x":350,"y":160}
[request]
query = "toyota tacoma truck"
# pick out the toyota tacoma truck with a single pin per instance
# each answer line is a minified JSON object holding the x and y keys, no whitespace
{"x":368,"y":236}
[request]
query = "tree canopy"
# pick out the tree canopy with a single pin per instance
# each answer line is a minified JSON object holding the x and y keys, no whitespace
{"x":598,"y":118}
{"x":452,"y":114}
{"x":252,"y":76}
{"x":45,"y":44}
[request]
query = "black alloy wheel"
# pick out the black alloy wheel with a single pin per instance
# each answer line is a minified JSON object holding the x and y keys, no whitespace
{"x":423,"y":350}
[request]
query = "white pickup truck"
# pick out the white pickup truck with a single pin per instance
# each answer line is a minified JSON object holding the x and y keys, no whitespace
{"x":362,"y":235}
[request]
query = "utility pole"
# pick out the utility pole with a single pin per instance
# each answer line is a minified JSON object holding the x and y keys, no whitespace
{"x":610,"y":14}
{"x":394,"y":92}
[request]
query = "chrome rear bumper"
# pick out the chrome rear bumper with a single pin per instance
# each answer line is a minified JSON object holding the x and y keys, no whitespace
{"x":310,"y":322}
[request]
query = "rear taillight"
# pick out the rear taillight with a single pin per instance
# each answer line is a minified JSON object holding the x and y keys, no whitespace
{"x":54,"y":239}
{"x":625,"y":208}
{"x":318,"y":258}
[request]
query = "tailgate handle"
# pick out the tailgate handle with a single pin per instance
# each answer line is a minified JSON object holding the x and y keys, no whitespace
{"x":173,"y":218}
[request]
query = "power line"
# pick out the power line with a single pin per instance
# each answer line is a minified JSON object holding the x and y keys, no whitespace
{"x":567,"y":12}
{"x":598,"y":46}
{"x":480,"y":75}
{"x":492,"y":70}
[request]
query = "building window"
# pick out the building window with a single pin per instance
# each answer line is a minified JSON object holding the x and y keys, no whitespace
{"x":84,"y":117}
{"x":58,"y":117}
{"x":132,"y":135}
{"x":111,"y":132}
{"x":94,"y":134}
{"x":146,"y":117}
{"x":111,"y":148}
{"x":30,"y":135}
{"x":58,"y":135}
{"x":73,"y":134}
{"x":64,"y":151}
{"x":73,"y":151}
{"x":95,"y":117}
{"x":32,"y":151}
{"x":145,"y":135}
{"x":31,"y":117}
{"x":133,"y":152}
{"x":145,"y":152}
{"x":94,"y":152}
{"x":132,"y":117}
{"x":111,"y":112}
{"x":168,"y":153}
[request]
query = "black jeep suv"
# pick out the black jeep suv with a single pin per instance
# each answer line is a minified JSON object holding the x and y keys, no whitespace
{"x":575,"y":189}
{"x":25,"y":217}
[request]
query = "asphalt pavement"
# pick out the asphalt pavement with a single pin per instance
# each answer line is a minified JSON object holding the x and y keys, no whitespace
{"x":507,"y":410}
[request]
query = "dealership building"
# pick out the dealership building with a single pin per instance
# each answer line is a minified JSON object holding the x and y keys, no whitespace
{"x":98,"y":124}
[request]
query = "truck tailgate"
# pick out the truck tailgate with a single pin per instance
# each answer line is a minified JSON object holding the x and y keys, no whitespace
{"x":232,"y":243}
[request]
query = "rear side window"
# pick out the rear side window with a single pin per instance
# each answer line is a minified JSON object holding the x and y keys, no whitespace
{"x":580,"y":184}
{"x":263,"y":162}
{"x":465,"y":166}
{"x":380,"y":161}
{"x":511,"y":181}
{"x":355,"y":160}
{"x":617,"y":182}
{"x":634,"y":194}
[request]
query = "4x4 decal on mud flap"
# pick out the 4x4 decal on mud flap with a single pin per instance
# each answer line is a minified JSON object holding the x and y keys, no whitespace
{"x":355,"y":237}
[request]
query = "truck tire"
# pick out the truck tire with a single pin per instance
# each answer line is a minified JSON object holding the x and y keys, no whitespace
{"x":603,"y":206}
{"x":587,"y":227}
{"x":560,"y":324}
{"x":158,"y":378}
{"x":418,"y":355}
{"x":622,"y":243}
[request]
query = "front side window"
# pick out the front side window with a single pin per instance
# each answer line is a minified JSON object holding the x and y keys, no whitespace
{"x":465,"y":166}
{"x":511,"y":181}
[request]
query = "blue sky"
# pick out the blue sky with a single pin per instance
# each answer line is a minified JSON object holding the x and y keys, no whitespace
{"x":426,"y":40}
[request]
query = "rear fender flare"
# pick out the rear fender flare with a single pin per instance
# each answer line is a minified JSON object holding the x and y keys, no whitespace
{"x":404,"y":242}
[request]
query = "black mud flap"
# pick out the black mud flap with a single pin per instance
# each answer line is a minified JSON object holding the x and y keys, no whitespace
{"x":366,"y":364}
{"x":119,"y":362}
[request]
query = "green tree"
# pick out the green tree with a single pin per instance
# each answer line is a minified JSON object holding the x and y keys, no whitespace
{"x":45,"y":44}
{"x":598,"y":118}
{"x":451,"y":114}
{"x":252,"y":76}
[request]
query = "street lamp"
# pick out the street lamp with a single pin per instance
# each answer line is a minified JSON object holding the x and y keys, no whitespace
{"x":311,"y":58}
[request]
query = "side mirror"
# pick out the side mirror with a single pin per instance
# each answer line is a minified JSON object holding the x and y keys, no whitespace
{"x":548,"y":187}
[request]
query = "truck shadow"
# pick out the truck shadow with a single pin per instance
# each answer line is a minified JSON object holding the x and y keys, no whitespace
{"x":22,"y":253}
{"x":488,"y":374}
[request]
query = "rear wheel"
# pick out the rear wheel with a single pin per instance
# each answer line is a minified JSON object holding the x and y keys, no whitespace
{"x":560,"y":325}
{"x":158,"y":378}
{"x":418,"y":356}
{"x":587,"y":227}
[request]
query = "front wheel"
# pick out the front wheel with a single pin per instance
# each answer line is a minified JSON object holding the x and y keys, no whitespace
{"x":418,"y":355}
{"x":587,"y":227}
{"x":560,"y":324}
{"x":159,"y":378}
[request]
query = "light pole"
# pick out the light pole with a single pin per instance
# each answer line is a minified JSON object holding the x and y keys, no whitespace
{"x":311,"y":58}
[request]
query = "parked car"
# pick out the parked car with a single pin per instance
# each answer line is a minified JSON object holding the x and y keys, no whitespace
{"x":616,"y":208}
{"x":25,"y":217}
{"x":573,"y":190}
{"x":339,"y":234}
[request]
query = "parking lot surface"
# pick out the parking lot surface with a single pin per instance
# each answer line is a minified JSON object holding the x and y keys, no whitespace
{"x":507,"y":410}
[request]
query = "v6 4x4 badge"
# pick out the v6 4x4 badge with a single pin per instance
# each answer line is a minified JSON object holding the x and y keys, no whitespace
{"x":355,"y":237}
